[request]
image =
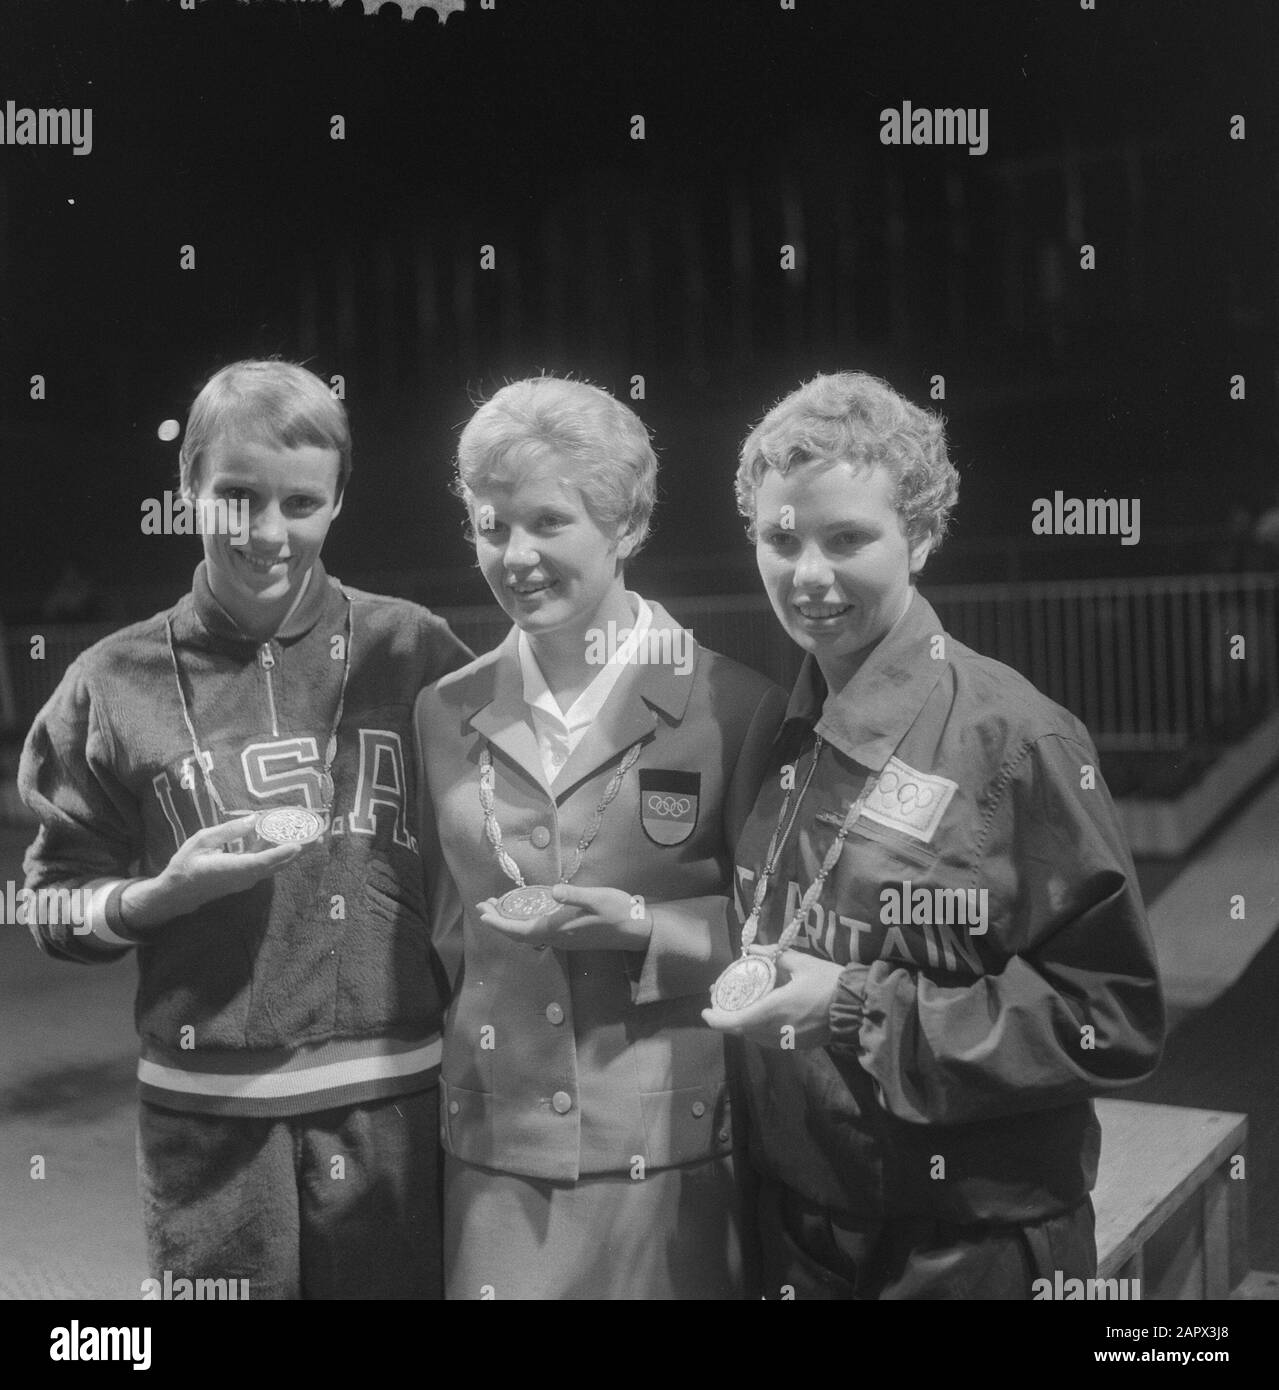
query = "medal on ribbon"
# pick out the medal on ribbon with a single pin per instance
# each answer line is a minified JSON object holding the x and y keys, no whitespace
{"x":753,"y":975}
{"x":529,"y":900}
{"x":744,"y":983}
{"x":280,"y":825}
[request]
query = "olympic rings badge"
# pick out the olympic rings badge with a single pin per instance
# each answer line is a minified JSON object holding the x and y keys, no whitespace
{"x":668,"y":804}
{"x":906,"y":794}
{"x":909,"y":800}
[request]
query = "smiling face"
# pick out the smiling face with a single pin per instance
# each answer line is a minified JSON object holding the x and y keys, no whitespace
{"x":550,"y":564}
{"x":291,"y":497}
{"x":835,"y":560}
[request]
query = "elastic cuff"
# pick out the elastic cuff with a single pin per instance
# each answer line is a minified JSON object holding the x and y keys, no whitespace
{"x":848,"y":1005}
{"x":111,"y":926}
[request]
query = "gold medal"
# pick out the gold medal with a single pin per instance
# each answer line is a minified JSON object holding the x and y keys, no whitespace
{"x":289,"y":825}
{"x":744,"y":983}
{"x":532,"y":900}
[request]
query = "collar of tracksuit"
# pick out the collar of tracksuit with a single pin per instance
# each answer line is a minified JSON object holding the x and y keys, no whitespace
{"x":199,"y":615}
{"x":869,"y":717}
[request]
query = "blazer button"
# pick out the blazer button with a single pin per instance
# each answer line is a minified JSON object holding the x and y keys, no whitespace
{"x":699,"y":1108}
{"x":562,"y":1102}
{"x":723,"y":1136}
{"x":454,"y":1107}
{"x":554,"y":1014}
{"x":541,"y":837}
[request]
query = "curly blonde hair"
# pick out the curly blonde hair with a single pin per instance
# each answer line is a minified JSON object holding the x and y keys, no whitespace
{"x":855,"y":418}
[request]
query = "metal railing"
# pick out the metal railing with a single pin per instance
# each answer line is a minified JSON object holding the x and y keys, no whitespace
{"x":1158,"y":663}
{"x":1148,"y":664}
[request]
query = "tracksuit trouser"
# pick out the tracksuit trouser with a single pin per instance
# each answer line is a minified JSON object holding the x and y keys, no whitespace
{"x":341,"y":1203}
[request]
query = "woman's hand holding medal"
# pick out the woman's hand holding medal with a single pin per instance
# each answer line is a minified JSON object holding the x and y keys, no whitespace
{"x":202,"y":870}
{"x":795,"y":1014}
{"x":591,"y":919}
{"x":776,"y":996}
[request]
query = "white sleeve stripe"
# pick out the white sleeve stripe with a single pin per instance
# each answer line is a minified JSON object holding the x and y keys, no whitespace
{"x":96,"y":926}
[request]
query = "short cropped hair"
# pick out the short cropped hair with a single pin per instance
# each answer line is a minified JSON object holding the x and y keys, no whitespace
{"x":856,"y":418}
{"x":604,"y":444}
{"x":264,"y":402}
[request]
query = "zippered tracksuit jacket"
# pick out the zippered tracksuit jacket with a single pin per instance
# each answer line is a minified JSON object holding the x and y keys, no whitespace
{"x":316,"y":988}
{"x":965,"y":1048}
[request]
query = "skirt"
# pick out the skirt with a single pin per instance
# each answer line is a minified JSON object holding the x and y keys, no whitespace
{"x":672,"y":1234}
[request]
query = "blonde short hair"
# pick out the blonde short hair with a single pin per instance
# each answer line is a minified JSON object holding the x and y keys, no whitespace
{"x":604,"y":443}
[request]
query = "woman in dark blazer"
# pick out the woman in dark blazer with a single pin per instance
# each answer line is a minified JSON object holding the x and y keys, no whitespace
{"x":585,"y":1112}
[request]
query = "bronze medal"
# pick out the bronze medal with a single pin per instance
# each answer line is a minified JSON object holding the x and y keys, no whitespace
{"x":744,"y":983}
{"x":533,"y":900}
{"x":289,"y":825}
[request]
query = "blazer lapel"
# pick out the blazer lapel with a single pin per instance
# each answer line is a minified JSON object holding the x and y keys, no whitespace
{"x":630,"y":712}
{"x":625,"y":719}
{"x":504,"y":720}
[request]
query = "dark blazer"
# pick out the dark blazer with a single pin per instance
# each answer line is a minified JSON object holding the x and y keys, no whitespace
{"x":560,"y":1063}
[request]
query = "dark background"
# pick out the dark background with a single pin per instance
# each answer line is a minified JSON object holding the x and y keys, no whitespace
{"x":615,"y":258}
{"x":659,"y":257}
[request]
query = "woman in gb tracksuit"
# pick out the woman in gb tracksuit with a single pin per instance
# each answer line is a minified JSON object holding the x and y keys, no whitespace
{"x":945,"y":949}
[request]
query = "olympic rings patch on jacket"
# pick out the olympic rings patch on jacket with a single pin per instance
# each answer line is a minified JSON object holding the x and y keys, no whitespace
{"x":668,"y":804}
{"x":908,"y":800}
